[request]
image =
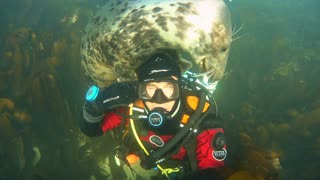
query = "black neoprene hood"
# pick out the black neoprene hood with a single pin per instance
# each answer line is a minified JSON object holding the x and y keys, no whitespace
{"x":160,"y":66}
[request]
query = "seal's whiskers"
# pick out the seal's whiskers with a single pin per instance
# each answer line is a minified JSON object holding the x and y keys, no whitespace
{"x":235,"y":32}
{"x":206,"y":76}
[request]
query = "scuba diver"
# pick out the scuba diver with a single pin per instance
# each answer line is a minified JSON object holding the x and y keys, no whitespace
{"x":166,"y":122}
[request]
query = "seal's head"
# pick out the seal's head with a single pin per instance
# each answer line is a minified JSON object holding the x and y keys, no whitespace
{"x":207,"y":39}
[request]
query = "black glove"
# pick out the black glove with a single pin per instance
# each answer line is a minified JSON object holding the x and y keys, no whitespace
{"x":115,"y":95}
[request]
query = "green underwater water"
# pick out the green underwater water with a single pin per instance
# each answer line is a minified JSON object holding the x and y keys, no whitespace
{"x":273,"y":81}
{"x":270,"y":92}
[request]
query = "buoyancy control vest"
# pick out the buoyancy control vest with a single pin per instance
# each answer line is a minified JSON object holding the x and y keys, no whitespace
{"x":159,"y":150}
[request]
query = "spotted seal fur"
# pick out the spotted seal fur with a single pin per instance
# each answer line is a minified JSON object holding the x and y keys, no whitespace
{"x":119,"y":37}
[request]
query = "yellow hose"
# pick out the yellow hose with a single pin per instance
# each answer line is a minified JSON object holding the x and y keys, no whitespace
{"x":139,"y":141}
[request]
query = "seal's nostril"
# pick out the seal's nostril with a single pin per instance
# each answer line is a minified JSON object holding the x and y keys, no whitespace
{"x":203,"y":64}
{"x":224,"y":49}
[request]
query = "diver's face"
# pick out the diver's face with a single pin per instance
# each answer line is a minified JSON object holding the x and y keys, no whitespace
{"x":167,"y":105}
{"x":167,"y":89}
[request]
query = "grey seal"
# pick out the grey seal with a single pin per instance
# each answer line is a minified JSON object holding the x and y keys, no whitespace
{"x":124,"y":32}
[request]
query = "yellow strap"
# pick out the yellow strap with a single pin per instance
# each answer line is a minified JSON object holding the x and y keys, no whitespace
{"x":171,"y":170}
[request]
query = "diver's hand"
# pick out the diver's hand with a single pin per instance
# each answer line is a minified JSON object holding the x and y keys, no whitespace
{"x":115,"y":95}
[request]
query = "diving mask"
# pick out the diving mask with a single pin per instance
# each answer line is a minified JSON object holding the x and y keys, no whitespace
{"x":159,"y":92}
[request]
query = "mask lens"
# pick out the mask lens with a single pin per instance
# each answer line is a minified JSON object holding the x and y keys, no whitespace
{"x":169,"y":89}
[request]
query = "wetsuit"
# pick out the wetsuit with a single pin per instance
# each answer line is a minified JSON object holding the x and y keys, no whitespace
{"x":205,"y":148}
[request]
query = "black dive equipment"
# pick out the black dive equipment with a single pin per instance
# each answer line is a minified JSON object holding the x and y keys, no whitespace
{"x":157,"y":117}
{"x":157,"y":67}
{"x":195,"y":119}
{"x":115,"y":95}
